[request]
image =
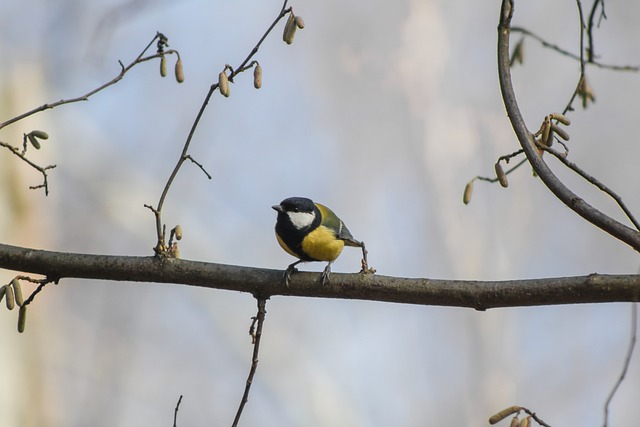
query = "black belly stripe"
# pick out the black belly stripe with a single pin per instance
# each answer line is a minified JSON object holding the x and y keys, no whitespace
{"x":292,"y":237}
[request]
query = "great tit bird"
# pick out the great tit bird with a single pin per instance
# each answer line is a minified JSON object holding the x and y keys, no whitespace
{"x":312,"y":232}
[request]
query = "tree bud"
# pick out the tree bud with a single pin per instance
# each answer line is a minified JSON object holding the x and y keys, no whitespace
{"x":518,"y":53}
{"x":22,"y":318}
{"x":17,"y":291}
{"x":468,"y":190}
{"x":504,"y":413}
{"x":289,"y":29}
{"x":34,"y":141}
{"x":223,"y":84}
{"x":163,"y":67}
{"x":561,"y":118}
{"x":40,"y":134}
{"x":502,"y":177}
{"x":257,"y":76}
{"x":559,"y":131}
{"x":179,"y":71}
{"x":11,"y":302}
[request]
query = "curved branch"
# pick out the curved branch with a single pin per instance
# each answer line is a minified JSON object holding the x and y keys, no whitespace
{"x":265,"y":283}
{"x":573,"y":201}
{"x":595,"y":182}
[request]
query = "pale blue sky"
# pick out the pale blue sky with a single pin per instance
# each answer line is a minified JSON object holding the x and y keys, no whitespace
{"x":381,"y":110}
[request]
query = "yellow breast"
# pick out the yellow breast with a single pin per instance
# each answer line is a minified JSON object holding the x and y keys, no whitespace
{"x":321,"y":244}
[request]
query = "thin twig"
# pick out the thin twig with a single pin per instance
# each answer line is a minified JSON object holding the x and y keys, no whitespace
{"x":123,"y":70}
{"x":41,"y":169}
{"x":175,"y":412}
{"x":256,"y":334}
{"x":36,"y":292}
{"x":199,"y":165}
{"x":535,"y":417}
{"x":572,"y":55}
{"x":581,"y":18}
{"x":515,"y":409}
{"x":627,"y":360}
{"x":41,"y":284}
{"x":160,"y":246}
{"x":593,"y":181}
{"x":544,"y":42}
{"x":581,"y":77}
{"x":590,"y":49}
{"x":505,"y":158}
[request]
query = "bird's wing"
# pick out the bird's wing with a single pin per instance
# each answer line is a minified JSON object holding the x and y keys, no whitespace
{"x":335,"y":224}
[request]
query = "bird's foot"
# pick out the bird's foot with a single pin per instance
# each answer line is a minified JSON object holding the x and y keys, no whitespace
{"x":365,"y":264}
{"x":324,"y":279}
{"x":288,"y":272}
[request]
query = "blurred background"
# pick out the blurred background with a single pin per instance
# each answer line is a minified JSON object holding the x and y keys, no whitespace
{"x":381,"y":110}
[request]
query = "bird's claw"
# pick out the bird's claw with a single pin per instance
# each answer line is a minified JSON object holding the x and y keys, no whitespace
{"x":324,"y":279}
{"x":287,"y":274}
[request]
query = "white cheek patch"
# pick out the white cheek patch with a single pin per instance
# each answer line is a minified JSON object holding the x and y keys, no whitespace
{"x":301,"y":220}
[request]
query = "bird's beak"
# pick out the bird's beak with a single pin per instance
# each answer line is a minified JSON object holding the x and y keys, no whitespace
{"x":277,"y":208}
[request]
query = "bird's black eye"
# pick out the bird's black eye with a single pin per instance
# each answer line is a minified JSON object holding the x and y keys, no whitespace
{"x":295,"y":210}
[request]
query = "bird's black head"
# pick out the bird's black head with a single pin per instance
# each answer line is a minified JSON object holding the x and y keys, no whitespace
{"x":295,"y":204}
{"x":296,"y":213}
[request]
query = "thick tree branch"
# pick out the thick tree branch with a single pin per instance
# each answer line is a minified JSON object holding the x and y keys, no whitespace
{"x":264,"y":283}
{"x":573,"y":201}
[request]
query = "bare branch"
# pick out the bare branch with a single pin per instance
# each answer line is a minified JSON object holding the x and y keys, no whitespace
{"x":572,"y":55}
{"x":175,"y":412}
{"x":582,"y":88}
{"x":41,"y":284}
{"x":627,"y":361}
{"x":160,"y":247}
{"x":199,"y":165}
{"x":594,"y":181}
{"x":515,"y":409}
{"x":573,"y":201}
{"x":123,"y":70}
{"x":256,"y":334}
{"x":265,"y":283}
{"x":535,"y":417}
{"x":591,"y":49}
{"x":506,"y":158}
{"x":42,"y":169}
